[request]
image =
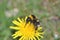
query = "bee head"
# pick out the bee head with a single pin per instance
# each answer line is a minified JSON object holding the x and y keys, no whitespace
{"x":28,"y":19}
{"x":32,"y":17}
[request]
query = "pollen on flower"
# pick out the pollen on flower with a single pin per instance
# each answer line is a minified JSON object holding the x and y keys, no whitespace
{"x":26,"y":31}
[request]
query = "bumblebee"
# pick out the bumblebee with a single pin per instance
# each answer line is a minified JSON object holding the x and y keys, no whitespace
{"x":33,"y":19}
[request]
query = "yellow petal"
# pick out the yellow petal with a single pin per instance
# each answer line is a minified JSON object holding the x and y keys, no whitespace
{"x":16,"y":23}
{"x":39,"y":28}
{"x":25,"y":18}
{"x":19,"y":20}
{"x":38,"y":38}
{"x":16,"y":28}
{"x":41,"y":36}
{"x":21,"y":38}
{"x":34,"y":38}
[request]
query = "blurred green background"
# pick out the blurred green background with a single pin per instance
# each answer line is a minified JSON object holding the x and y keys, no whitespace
{"x":48,"y":12}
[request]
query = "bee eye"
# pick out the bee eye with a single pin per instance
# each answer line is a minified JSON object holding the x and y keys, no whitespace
{"x":28,"y":19}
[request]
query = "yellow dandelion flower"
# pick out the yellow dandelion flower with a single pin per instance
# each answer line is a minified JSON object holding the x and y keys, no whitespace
{"x":26,"y":31}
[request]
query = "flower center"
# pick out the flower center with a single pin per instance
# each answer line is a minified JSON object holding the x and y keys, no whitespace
{"x":28,"y":30}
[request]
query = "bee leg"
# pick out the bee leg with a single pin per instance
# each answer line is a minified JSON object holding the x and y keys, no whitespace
{"x":36,"y":27}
